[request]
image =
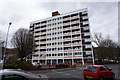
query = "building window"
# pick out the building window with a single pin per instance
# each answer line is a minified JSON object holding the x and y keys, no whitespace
{"x":85,"y":22}
{"x":88,"y":53}
{"x":84,"y":12}
{"x":88,"y":46}
{"x":85,"y":17}
{"x":49,"y":55}
{"x":87,"y":40}
{"x":86,"y":34}
{"x":86,"y":28}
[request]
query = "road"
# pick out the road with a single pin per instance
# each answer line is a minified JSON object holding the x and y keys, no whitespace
{"x":76,"y":74}
{"x":70,"y":74}
{"x":116,"y":69}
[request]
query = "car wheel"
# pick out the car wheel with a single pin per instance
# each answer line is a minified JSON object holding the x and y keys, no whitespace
{"x":113,"y":77}
{"x":85,"y":78}
{"x":101,"y":78}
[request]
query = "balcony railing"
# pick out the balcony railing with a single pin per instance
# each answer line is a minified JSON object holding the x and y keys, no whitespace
{"x":66,"y":19}
{"x":66,"y":24}
{"x":74,"y":22}
{"x":67,"y":33}
{"x":74,"y":17}
{"x":75,"y":44}
{"x":77,"y":38}
{"x":77,"y":50}
{"x":76,"y":27}
{"x":66,"y":29}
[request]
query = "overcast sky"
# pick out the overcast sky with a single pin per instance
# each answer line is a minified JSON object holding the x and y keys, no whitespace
{"x":103,"y":16}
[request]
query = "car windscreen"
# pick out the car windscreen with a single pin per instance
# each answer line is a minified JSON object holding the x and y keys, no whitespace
{"x":91,"y":68}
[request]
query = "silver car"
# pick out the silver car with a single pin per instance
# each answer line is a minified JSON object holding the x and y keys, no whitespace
{"x":13,"y":74}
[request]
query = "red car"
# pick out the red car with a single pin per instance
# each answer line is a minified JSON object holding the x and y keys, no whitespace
{"x":98,"y":72}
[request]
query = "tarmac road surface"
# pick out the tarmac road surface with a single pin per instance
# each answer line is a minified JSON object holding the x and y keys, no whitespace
{"x":77,"y":74}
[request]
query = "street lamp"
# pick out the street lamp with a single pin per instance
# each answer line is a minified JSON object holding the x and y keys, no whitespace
{"x":5,"y":45}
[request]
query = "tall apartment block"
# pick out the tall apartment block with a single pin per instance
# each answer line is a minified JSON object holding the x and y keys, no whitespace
{"x":62,"y":38}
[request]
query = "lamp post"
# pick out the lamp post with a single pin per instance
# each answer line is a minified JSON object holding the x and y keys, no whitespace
{"x":5,"y":45}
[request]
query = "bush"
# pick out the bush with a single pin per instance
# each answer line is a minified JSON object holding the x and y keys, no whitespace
{"x":10,"y":66}
{"x":19,"y":65}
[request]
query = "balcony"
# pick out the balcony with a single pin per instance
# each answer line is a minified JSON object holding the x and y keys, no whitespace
{"x":37,"y":29}
{"x":77,"y":38}
{"x":75,"y":27}
{"x":35,"y":58}
{"x":82,"y":31}
{"x":37,"y":34}
{"x":37,"y":38}
{"x":31,"y":29}
{"x":43,"y":33}
{"x":85,"y":36}
{"x":37,"y":25}
{"x":84,"y":25}
{"x":83,"y":14}
{"x":66,"y":24}
{"x":86,"y":49}
{"x":66,"y":29}
{"x":77,"y":50}
{"x":74,"y":17}
{"x":37,"y":52}
{"x":67,"y":33}
{"x":82,"y":20}
{"x":42,"y":52}
{"x":77,"y":32}
{"x":65,"y":19}
{"x":87,"y":55}
{"x":44,"y":47}
{"x":43,"y":42}
{"x":42,"y":28}
{"x":37,"y":48}
{"x":69,"y":39}
{"x":32,"y":26}
{"x":67,"y":51}
{"x":37,"y":43}
{"x":43,"y":23}
{"x":76,"y":44}
{"x":86,"y":42}
{"x":42,"y":38}
{"x":67,"y":16}
{"x":67,"y":45}
{"x":74,"y":22}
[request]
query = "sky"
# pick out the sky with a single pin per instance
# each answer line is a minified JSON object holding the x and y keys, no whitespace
{"x":103,"y":16}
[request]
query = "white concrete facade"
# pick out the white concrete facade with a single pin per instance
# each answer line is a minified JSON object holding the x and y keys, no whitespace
{"x":65,"y":38}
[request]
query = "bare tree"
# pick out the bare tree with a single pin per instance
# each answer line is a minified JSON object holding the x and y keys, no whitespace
{"x":0,"y":47}
{"x":109,"y":42}
{"x":106,"y":47}
{"x":98,"y":39}
{"x":22,"y":40}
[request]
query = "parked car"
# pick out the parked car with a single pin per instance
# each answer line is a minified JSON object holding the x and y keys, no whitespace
{"x":98,"y":72}
{"x":62,"y":65}
{"x":117,"y":62}
{"x":12,"y":74}
{"x":37,"y":64}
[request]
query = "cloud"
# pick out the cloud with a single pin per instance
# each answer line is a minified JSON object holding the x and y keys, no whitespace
{"x":102,"y":15}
